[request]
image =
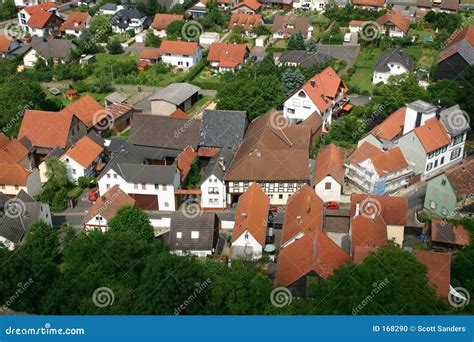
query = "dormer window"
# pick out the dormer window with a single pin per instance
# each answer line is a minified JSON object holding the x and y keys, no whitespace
{"x":302,"y":94}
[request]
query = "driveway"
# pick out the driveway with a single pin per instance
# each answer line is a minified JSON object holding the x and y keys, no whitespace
{"x":354,"y":40}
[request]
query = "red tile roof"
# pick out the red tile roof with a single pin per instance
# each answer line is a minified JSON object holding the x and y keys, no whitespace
{"x":40,"y":19}
{"x":150,"y":53}
{"x":445,"y":232}
{"x":391,"y":126}
{"x":46,"y":129}
{"x":357,"y":22}
{"x":178,"y":47}
{"x":439,"y":270}
{"x":389,"y":162}
{"x":84,"y":151}
{"x":461,"y":179}
{"x":251,"y":214}
{"x":208,"y":151}
{"x":76,"y":21}
{"x":248,"y":21}
{"x":360,"y":252}
{"x":228,"y":55}
{"x":179,"y":113}
{"x":13,"y":174}
{"x":116,"y":110}
{"x":368,"y":232}
{"x":45,"y":6}
{"x":329,"y":162}
{"x":162,"y":20}
{"x":365,"y":151}
{"x":108,"y":204}
{"x":11,"y":151}
{"x":371,"y":3}
{"x":397,"y":19}
{"x":5,"y":42}
{"x":323,"y":87}
{"x":432,"y":135}
{"x":467,"y":34}
{"x":184,"y":161}
{"x":394,"y":209}
{"x":254,"y":5}
{"x":85,"y":109}
{"x":304,"y":246}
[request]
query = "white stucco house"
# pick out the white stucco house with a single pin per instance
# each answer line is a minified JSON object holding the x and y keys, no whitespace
{"x":390,"y":63}
{"x":328,"y":177}
{"x":323,"y":94}
{"x":129,"y":20}
{"x":180,"y":54}
{"x":81,"y":158}
{"x":250,"y":228}
{"x":40,"y":20}
{"x":313,"y":5}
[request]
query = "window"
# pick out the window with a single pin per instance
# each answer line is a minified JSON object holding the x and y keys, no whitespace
{"x":456,"y":153}
{"x":327,"y":186}
{"x":280,"y":196}
{"x":194,"y":234}
{"x":135,"y":186}
{"x":115,"y":176}
{"x":179,"y":235}
{"x":429,"y":166}
{"x":432,"y":204}
{"x":163,"y":187}
{"x":166,"y":204}
{"x":437,"y":152}
{"x":108,"y":175}
{"x":17,"y":187}
{"x":436,"y":163}
{"x":73,"y":171}
{"x":107,"y":186}
{"x":444,"y":211}
{"x":301,"y":94}
{"x":143,"y":186}
{"x":2,"y":186}
{"x":444,"y":149}
{"x":67,"y":160}
{"x":443,"y":182}
{"x":246,"y":235}
{"x":157,"y":186}
{"x":291,"y":111}
{"x":441,"y":162}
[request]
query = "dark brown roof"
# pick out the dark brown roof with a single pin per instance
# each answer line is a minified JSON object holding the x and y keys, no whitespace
{"x":329,"y":162}
{"x":164,"y":132}
{"x":291,"y":24}
{"x":393,"y":209}
{"x":444,"y":232}
{"x":461,"y":178}
{"x":272,"y":150}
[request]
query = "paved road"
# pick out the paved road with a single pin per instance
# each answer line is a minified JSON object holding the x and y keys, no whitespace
{"x":359,"y":100}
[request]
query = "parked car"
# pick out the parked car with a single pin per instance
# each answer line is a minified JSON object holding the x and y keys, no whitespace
{"x":93,"y":195}
{"x":332,"y":205}
{"x":347,"y":38}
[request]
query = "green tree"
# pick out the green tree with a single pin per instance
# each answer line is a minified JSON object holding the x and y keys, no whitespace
{"x":56,"y":172}
{"x":401,"y":283}
{"x":292,"y":80}
{"x":7,"y":9}
{"x":41,"y":242}
{"x":296,"y":42}
{"x":174,"y":29}
{"x":445,"y":92}
{"x":101,"y":27}
{"x":151,"y":40}
{"x":114,"y":47}
{"x":132,"y":219}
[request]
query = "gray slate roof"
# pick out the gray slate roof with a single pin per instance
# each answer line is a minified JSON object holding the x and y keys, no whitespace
{"x":175,"y":93}
{"x":394,"y":55}
{"x":304,"y":58}
{"x":117,"y":97}
{"x":123,"y":17}
{"x":452,"y":120}
{"x":53,"y":48}
{"x":464,"y":49}
{"x":122,"y":152}
{"x":140,"y":173}
{"x":215,"y":168}
{"x":205,"y":224}
{"x":109,"y":7}
{"x":14,"y":228}
{"x":221,"y":128}
{"x":164,"y":132}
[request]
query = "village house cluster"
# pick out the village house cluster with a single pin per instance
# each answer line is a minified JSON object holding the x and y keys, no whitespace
{"x":215,"y":183}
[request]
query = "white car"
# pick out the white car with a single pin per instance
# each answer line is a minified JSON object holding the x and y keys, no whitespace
{"x":347,"y":37}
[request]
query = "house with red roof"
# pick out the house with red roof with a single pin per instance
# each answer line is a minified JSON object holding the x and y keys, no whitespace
{"x":15,"y":178}
{"x":8,"y":45}
{"x":226,"y":57}
{"x":75,"y":23}
{"x":324,"y":94}
{"x":391,"y":211}
{"x":152,"y":55}
{"x":369,"y":4}
{"x":394,"y":24}
{"x":247,"y":6}
{"x":48,"y":130}
{"x":87,"y":110}
{"x":306,"y":255}
{"x":40,"y":20}
{"x":180,"y":54}
{"x":161,"y":21}
{"x":82,"y":158}
{"x":376,"y":171}
{"x":438,"y":270}
{"x":328,"y":177}
{"x":13,"y":152}
{"x":431,"y":138}
{"x":250,"y":228}
{"x":245,"y":21}
{"x":457,"y":55}
{"x":105,"y":208}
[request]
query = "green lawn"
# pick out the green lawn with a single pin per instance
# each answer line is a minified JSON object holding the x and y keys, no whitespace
{"x":424,"y":57}
{"x":361,"y":80}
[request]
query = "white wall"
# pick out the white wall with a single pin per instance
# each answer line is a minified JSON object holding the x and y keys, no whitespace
{"x":410,"y":119}
{"x":217,"y":199}
{"x":276,"y":196}
{"x":302,"y":105}
{"x":74,"y":169}
{"x":249,"y":242}
{"x":395,"y":69}
{"x":333,"y":194}
{"x":182,"y":61}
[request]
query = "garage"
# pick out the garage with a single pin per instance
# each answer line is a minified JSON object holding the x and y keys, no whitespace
{"x":146,"y":202}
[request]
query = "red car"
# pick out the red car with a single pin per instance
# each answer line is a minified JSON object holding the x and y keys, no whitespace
{"x":331,"y":205}
{"x":93,"y":195}
{"x":273,"y":209}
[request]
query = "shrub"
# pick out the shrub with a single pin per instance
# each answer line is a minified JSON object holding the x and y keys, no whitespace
{"x":74,"y":193}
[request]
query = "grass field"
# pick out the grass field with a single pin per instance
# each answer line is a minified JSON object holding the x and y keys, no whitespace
{"x":364,"y":64}
{"x":424,"y":57}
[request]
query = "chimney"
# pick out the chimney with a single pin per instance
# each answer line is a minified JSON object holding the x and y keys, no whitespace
{"x":357,"y":211}
{"x":313,"y":83}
